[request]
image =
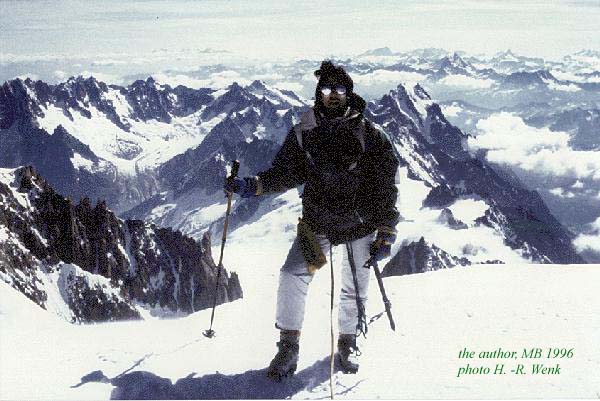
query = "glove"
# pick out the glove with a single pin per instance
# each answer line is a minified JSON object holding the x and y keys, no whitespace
{"x":246,"y":187}
{"x":381,"y":248}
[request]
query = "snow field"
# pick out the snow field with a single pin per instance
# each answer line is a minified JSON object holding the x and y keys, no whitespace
{"x":437,"y":314}
{"x":483,"y":307}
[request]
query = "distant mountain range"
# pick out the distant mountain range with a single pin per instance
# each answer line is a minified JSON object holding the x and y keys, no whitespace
{"x":249,"y":123}
{"x":157,"y":153}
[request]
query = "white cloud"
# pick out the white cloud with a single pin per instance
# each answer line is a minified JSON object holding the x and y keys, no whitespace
{"x":565,"y":88}
{"x":508,"y":140}
{"x":384,"y":60}
{"x":372,"y":85}
{"x":295,"y":87}
{"x":564,"y":162}
{"x":273,"y":76}
{"x":466,"y":82}
{"x":180,"y":79}
{"x":27,"y":58}
{"x":569,"y":76}
{"x":29,"y":75}
{"x":225,"y":78}
{"x":589,"y":241}
{"x":108,"y":62}
{"x":60,"y":75}
{"x":561,"y":193}
{"x":217,"y":80}
{"x":451,"y":110}
{"x":386,"y":77}
{"x":101,"y":76}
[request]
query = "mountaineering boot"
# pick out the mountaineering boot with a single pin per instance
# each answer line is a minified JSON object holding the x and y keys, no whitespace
{"x":347,"y":353}
{"x":286,"y":360}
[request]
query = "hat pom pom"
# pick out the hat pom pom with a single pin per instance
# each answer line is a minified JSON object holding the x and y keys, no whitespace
{"x":327,"y":68}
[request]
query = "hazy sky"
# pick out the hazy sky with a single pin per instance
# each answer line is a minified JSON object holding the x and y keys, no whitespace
{"x":273,"y":29}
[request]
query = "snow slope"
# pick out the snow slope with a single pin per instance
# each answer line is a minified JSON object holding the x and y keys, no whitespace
{"x":482,"y":307}
{"x":154,"y":142}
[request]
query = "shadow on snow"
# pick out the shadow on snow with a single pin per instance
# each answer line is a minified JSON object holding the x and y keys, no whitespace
{"x":252,"y":384}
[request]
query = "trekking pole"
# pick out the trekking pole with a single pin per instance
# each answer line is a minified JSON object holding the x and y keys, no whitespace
{"x":331,"y":360}
{"x":372,"y":262}
{"x":210,"y":333}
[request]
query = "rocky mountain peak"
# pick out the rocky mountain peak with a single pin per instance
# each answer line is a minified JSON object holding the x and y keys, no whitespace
{"x":235,"y":89}
{"x":28,"y":179}
{"x":258,"y":85}
{"x":18,"y":102}
{"x":507,"y":55}
{"x":380,"y":51}
{"x":457,"y":61}
{"x":419,"y":257}
{"x":545,"y":74}
{"x":421,"y":92}
{"x":137,"y":263}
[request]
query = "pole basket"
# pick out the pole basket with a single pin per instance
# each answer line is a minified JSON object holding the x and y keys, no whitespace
{"x":209,"y":333}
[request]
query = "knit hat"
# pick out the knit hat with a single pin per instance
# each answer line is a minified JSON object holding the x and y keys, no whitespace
{"x":329,"y":73}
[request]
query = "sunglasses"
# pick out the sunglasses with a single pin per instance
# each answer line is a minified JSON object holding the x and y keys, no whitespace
{"x":340,"y":89}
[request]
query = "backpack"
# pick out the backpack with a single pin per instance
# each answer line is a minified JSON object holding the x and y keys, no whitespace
{"x":308,"y":121}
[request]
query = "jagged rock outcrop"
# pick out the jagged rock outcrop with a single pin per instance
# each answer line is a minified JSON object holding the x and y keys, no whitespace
{"x":419,"y":257}
{"x":447,"y":217}
{"x":103,"y":265}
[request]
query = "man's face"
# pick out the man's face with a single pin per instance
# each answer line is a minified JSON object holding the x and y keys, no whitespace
{"x":334,"y":95}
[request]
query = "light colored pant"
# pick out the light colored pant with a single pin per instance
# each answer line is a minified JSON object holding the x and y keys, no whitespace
{"x":294,"y":279}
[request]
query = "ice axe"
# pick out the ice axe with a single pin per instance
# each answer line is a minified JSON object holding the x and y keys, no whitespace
{"x":372,"y":262}
{"x":210,"y":333}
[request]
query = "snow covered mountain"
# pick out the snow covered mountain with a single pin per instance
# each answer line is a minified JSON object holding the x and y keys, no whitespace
{"x":430,"y":147}
{"x":254,"y":122}
{"x":107,"y":141}
{"x":92,"y":139}
{"x":508,"y":62}
{"x":159,"y":152}
{"x":85,"y":264}
{"x":170,"y":359}
{"x":249,"y":123}
{"x":450,"y":65}
{"x":437,"y":165}
{"x":502,"y":80}
{"x":553,"y":135}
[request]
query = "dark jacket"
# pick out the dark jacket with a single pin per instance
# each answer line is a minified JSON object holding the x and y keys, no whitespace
{"x":348,"y":168}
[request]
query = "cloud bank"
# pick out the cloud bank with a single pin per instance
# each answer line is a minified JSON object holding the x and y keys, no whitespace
{"x":589,"y":241}
{"x":466,"y":82}
{"x":507,"y":140}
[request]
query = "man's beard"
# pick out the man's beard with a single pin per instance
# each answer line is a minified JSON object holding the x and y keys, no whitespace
{"x":337,"y":111}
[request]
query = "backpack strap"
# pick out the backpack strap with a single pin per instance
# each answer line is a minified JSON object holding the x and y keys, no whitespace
{"x":359,"y":133}
{"x":308,"y":121}
{"x":299,"y":135}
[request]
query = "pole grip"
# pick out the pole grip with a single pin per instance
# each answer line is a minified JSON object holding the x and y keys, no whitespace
{"x":235,"y":168}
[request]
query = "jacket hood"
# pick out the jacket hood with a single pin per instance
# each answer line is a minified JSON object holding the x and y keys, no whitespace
{"x":357,"y":103}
